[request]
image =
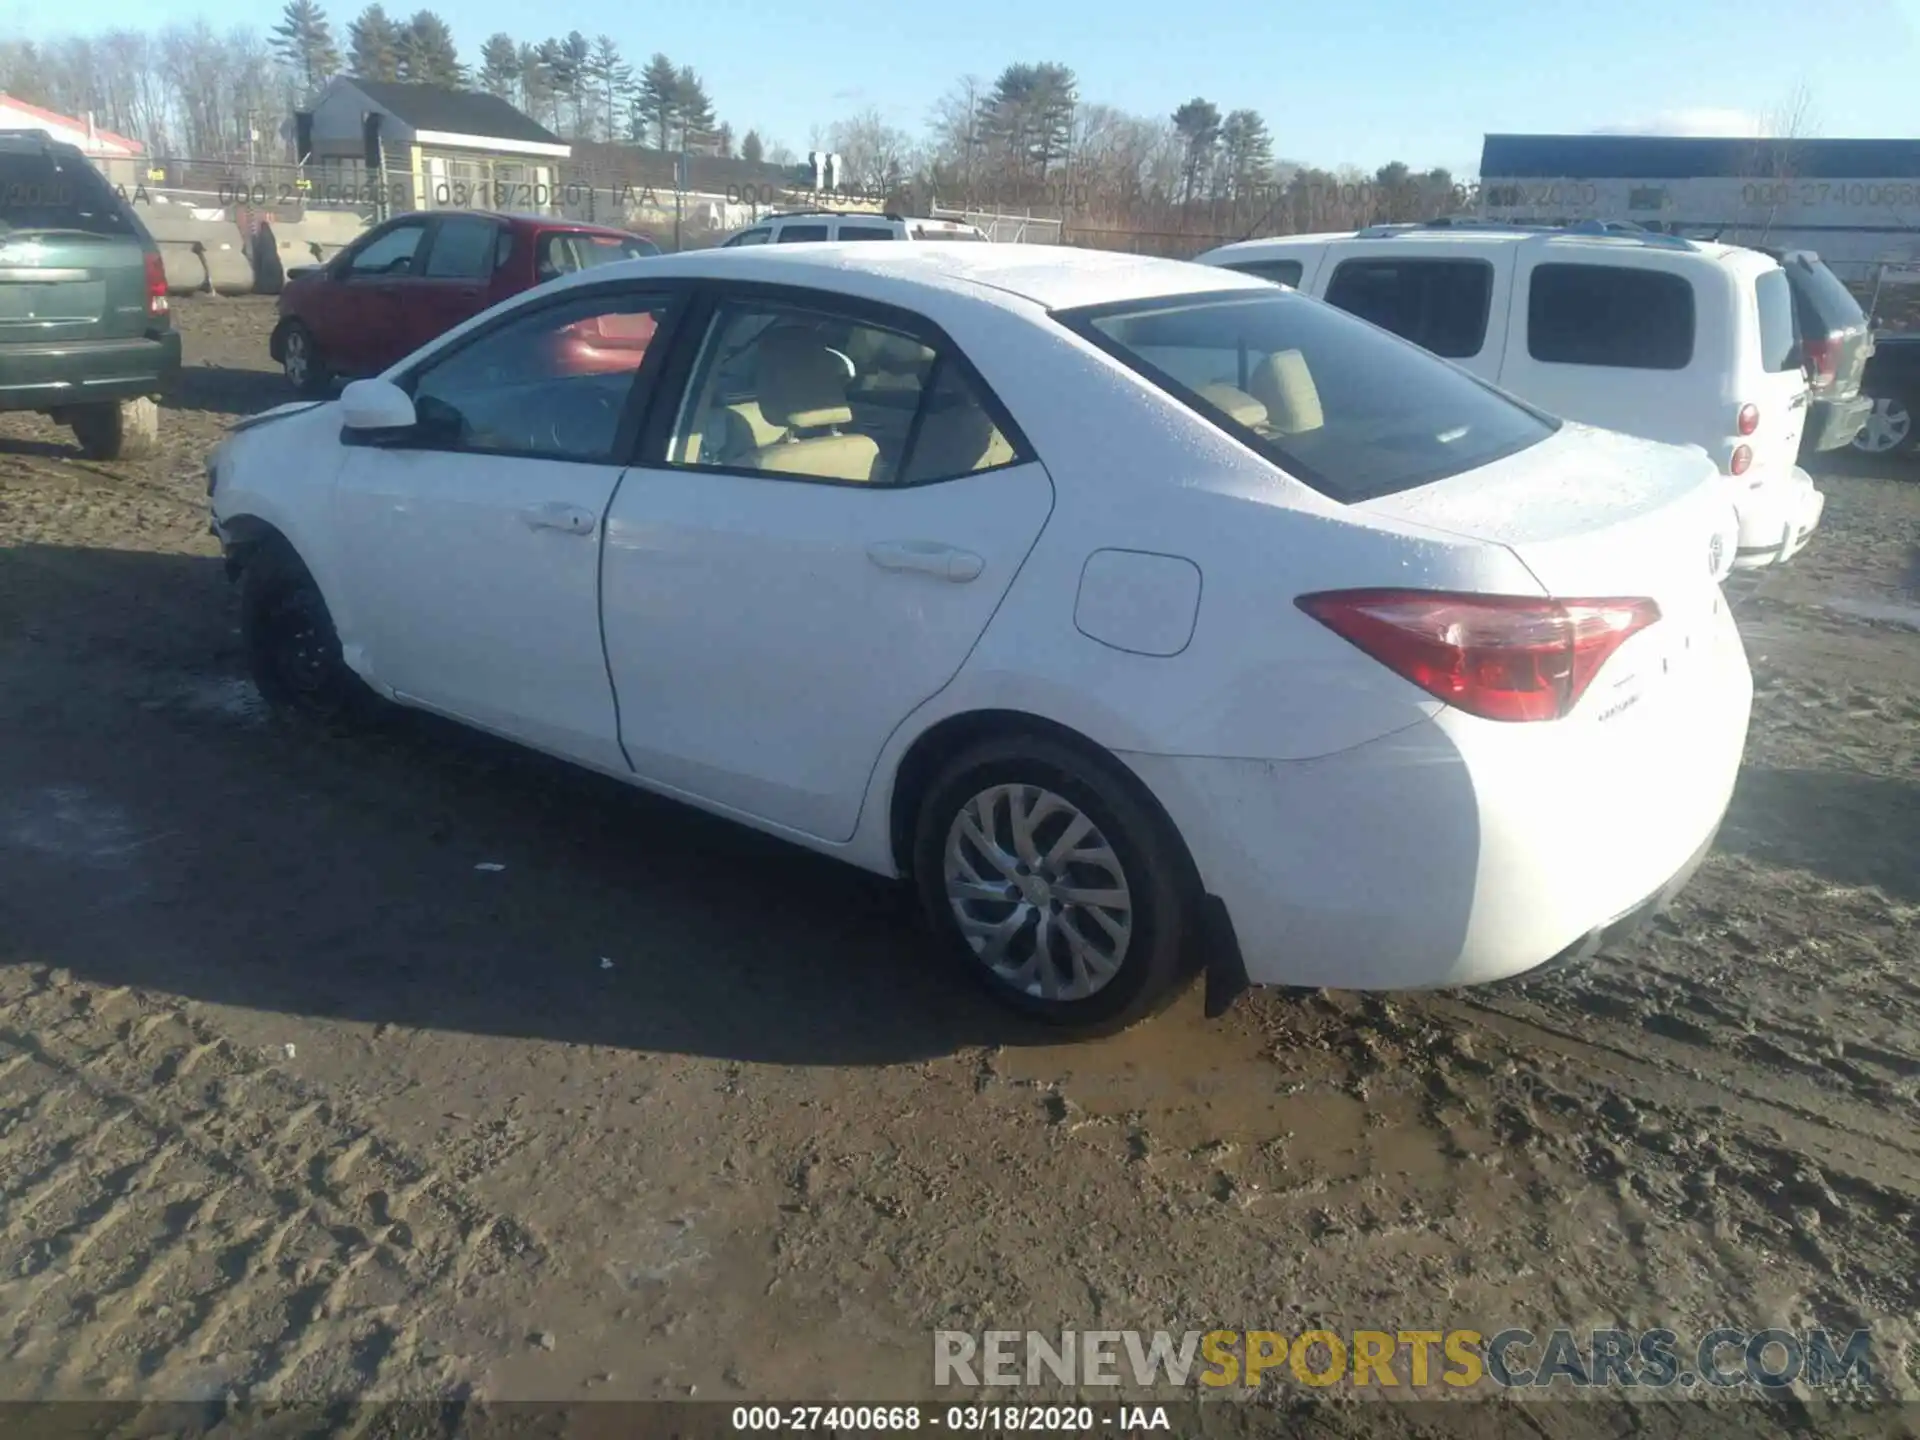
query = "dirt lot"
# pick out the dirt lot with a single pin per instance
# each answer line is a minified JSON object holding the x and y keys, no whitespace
{"x":296,"y":1101}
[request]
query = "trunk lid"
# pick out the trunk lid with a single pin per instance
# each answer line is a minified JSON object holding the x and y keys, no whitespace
{"x":1594,"y":514}
{"x":72,"y":255}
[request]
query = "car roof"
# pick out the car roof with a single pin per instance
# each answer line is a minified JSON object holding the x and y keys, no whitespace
{"x":1715,"y":252}
{"x":1056,"y":277}
{"x":517,"y":217}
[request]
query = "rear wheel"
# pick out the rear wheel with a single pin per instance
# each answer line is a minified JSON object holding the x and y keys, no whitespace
{"x":1054,"y":884}
{"x":1889,"y":429}
{"x":117,"y":430}
{"x":300,"y":359}
{"x":292,"y":647}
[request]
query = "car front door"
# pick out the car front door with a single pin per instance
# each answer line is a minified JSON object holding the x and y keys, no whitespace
{"x":808,"y":549}
{"x":473,"y":542}
{"x":452,"y":284}
{"x":362,"y":331}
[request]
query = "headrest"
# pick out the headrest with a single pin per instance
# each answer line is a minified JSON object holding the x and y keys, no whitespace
{"x":1283,"y":384}
{"x":802,"y":383}
{"x":1238,"y":405}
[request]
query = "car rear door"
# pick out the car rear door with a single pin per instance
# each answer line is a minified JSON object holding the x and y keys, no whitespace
{"x":461,"y":253}
{"x":73,"y":257}
{"x":775,"y":607}
{"x":1454,"y":305}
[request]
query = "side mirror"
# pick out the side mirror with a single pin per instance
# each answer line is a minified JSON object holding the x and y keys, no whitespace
{"x":374,"y":408}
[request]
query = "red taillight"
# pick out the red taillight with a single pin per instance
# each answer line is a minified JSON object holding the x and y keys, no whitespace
{"x":1742,"y":459}
{"x":156,"y":285}
{"x":1749,"y":419}
{"x":1823,"y":361}
{"x":1501,"y":657}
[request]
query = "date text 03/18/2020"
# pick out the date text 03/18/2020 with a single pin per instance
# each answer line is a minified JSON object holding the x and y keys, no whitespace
{"x":951,"y":1419}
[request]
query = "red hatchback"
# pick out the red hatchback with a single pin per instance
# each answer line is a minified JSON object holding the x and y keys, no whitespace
{"x":416,"y":277}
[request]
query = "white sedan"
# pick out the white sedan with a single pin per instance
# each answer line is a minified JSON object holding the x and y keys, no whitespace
{"x":1143,"y":615}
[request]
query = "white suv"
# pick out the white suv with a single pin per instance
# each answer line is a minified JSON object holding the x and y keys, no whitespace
{"x":811,"y":225}
{"x":1676,"y":340}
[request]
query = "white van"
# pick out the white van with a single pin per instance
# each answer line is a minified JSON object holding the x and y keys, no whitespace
{"x":800,"y":226}
{"x":1677,"y":340}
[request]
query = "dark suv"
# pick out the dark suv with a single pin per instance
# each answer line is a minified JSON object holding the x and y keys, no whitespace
{"x":85,"y":333}
{"x":1835,"y":344}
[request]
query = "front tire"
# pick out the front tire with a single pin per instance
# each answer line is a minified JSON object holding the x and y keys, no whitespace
{"x":301,"y":362}
{"x":292,"y":648}
{"x":118,"y":430}
{"x":1051,"y":881}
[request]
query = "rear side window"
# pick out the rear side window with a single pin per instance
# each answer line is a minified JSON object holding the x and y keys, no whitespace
{"x":865,"y":232}
{"x":1774,"y":297}
{"x":54,"y":192}
{"x":463,"y":249}
{"x":1280,"y":272}
{"x":1351,"y":411}
{"x":791,"y":234}
{"x":1439,"y":304}
{"x":1610,"y":315}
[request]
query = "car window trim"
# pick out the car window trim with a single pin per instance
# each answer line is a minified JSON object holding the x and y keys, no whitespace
{"x":669,"y":397}
{"x":633,"y":416}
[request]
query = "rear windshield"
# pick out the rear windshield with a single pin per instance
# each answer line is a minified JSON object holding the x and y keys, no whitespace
{"x":1830,"y":301}
{"x":49,"y":192}
{"x":562,"y":252}
{"x":1342,"y":406}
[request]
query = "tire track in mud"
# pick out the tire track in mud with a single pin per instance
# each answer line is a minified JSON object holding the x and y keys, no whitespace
{"x":184,"y":1220}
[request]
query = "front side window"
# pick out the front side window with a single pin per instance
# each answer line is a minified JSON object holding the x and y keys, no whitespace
{"x":1615,"y":316}
{"x":463,"y":249}
{"x":1441,"y":305}
{"x":387,"y":255}
{"x":1342,"y":407}
{"x":809,"y":394}
{"x":1280,"y":272}
{"x":554,"y":382}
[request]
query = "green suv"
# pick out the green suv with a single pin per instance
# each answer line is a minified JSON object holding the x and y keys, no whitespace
{"x":85,"y":334}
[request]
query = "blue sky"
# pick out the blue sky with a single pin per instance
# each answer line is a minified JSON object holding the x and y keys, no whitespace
{"x":1356,"y":81}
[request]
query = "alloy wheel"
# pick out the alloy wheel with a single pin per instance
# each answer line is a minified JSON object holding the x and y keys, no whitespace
{"x":1887,"y":428}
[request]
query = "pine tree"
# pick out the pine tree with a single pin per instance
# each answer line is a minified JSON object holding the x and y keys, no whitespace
{"x":303,"y":41}
{"x":658,"y":106}
{"x":753,"y":149}
{"x":427,"y":53}
{"x":695,"y":109}
{"x":500,"y":66}
{"x":612,"y":78}
{"x":373,"y":45}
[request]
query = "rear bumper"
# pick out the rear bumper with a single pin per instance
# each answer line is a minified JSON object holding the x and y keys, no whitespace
{"x":53,"y":377}
{"x":1777,"y":520}
{"x":1832,"y":424}
{"x":1459,"y":852}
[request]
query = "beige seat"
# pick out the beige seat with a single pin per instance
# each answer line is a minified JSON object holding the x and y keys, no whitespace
{"x":1283,"y":384}
{"x":803,"y":391}
{"x":736,"y":432}
{"x":1237,"y":404}
{"x":957,"y":439}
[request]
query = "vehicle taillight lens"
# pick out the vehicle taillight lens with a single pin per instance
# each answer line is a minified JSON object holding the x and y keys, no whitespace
{"x":1749,"y":419}
{"x":156,"y":286}
{"x":1742,"y":459}
{"x":1823,"y":361}
{"x":1501,"y":657}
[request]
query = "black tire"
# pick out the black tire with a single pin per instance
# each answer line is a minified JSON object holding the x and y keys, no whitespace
{"x":292,"y":648}
{"x":117,"y":430}
{"x":1163,"y":897}
{"x":300,"y":360}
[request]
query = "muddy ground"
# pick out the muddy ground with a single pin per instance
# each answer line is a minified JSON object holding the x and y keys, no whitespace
{"x":296,"y":1101}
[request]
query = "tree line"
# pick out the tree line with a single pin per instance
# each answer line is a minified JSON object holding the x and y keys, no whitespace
{"x":1027,"y":139}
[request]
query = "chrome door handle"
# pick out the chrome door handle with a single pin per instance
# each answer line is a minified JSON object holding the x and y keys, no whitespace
{"x":556,"y":515}
{"x":929,"y":557}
